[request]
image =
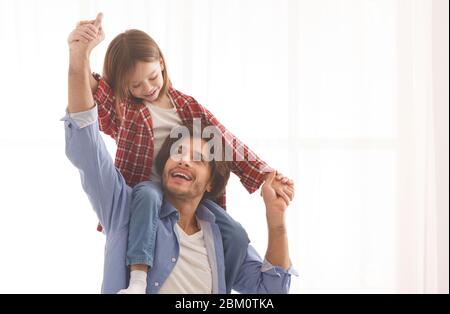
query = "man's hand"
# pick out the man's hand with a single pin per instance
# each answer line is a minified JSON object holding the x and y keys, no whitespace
{"x":283,"y":185}
{"x":277,"y":249}
{"x":86,"y":36}
{"x":81,"y":41}
{"x":276,"y":204}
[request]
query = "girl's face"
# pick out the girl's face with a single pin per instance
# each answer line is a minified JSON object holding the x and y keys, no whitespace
{"x":146,"y":80}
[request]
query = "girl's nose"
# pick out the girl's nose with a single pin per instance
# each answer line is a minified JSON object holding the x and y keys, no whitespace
{"x":147,"y":87}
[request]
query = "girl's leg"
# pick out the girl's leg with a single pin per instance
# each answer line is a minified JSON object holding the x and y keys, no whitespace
{"x":145,"y":205}
{"x":235,"y":242}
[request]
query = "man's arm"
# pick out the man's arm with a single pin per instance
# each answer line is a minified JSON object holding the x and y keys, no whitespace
{"x":80,"y":95}
{"x":81,"y":42}
{"x":277,"y":249}
{"x":91,"y":33}
{"x":102,"y":182}
{"x":273,"y":275}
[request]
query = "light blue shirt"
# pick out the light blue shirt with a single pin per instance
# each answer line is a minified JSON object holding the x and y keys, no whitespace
{"x":110,"y":197}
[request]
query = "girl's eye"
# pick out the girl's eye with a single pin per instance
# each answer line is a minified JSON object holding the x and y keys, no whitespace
{"x":136,"y":86}
{"x":153,"y":78}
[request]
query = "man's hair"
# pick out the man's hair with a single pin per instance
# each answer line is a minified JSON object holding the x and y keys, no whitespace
{"x":220,"y":170}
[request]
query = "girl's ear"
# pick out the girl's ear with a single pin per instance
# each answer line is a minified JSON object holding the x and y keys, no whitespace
{"x":161,"y":62}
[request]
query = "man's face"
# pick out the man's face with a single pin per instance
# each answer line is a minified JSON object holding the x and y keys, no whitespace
{"x":187,"y":174}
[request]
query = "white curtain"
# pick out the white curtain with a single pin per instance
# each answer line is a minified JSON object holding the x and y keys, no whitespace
{"x":347,"y":97}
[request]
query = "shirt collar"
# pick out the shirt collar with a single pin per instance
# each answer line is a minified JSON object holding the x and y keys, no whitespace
{"x":202,"y":212}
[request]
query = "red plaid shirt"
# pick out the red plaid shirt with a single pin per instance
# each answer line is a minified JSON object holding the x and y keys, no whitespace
{"x":133,"y":133}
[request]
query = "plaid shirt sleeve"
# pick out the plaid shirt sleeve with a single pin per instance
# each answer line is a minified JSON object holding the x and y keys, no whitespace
{"x":250,"y":169}
{"x":108,"y":118}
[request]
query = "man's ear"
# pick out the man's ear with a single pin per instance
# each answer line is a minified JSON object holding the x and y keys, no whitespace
{"x":209,"y":187}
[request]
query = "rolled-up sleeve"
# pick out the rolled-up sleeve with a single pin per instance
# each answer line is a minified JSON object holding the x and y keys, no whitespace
{"x":258,"y":276}
{"x":84,"y":118}
{"x":102,"y":182}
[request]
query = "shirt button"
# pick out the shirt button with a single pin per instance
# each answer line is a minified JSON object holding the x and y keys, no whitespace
{"x":156,"y":284}
{"x":174,"y":259}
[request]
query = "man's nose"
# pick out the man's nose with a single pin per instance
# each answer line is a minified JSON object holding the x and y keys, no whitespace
{"x":185,"y":160}
{"x":184,"y":163}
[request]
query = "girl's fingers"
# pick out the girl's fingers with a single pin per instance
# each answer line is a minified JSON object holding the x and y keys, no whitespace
{"x":283,"y":179}
{"x":86,"y":36}
{"x":83,"y":36}
{"x":92,"y":28}
{"x":91,"y":32}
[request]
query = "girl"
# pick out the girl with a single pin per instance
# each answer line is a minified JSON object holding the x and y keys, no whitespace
{"x":138,"y":107}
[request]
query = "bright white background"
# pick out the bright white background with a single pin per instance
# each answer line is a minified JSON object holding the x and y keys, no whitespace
{"x":347,"y":97}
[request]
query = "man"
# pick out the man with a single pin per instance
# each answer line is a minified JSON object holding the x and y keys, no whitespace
{"x":188,"y":253}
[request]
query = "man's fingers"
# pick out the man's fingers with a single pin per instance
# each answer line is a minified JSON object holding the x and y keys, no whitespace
{"x":79,"y":39}
{"x":270,"y":177}
{"x":85,"y":22}
{"x":289,"y":188}
{"x":289,"y":193}
{"x":284,"y":196}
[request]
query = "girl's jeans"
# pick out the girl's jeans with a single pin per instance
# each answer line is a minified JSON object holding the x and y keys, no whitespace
{"x":147,"y":198}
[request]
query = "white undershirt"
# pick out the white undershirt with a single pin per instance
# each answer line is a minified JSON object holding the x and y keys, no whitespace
{"x":164,"y":119}
{"x":192,"y":272}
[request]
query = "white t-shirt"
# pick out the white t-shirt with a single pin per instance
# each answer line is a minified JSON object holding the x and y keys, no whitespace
{"x":164,"y":119}
{"x":192,"y":272}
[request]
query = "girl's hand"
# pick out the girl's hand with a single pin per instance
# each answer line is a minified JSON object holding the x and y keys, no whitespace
{"x":284,"y":180}
{"x":86,"y":35}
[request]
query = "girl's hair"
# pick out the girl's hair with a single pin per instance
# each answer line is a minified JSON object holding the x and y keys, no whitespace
{"x":124,"y":51}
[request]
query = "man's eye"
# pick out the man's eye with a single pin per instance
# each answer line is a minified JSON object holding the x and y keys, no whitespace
{"x":198,"y":157}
